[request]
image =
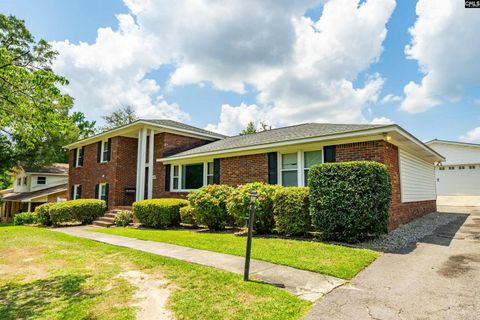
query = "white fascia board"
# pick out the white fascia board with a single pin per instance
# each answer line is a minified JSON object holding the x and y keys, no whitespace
{"x":419,"y":143}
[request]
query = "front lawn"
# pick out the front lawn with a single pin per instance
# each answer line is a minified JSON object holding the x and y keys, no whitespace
{"x":338,"y":261}
{"x":50,"y":275}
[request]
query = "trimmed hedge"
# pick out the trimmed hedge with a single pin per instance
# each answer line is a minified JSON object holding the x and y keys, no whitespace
{"x":187,"y":215}
{"x":81,"y":210}
{"x":159,"y":213}
{"x":239,"y":203}
{"x":291,"y":210}
{"x":24,"y":218}
{"x":349,"y":201}
{"x":123,"y":218}
{"x":210,"y":205}
{"x":43,"y":214}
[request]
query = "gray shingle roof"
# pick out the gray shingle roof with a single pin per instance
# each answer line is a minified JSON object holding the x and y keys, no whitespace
{"x":19,"y":196}
{"x":179,"y":125}
{"x":302,"y":131}
{"x":56,"y":168}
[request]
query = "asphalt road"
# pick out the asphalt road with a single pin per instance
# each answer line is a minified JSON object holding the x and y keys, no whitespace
{"x":439,"y":279}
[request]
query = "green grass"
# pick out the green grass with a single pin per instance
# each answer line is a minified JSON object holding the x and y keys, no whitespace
{"x":338,"y":261}
{"x":50,"y":275}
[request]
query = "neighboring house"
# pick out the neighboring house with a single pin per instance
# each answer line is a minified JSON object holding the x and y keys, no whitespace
{"x":458,"y":178}
{"x":33,"y":187}
{"x":113,"y":166}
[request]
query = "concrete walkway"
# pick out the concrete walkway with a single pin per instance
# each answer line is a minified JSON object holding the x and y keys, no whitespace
{"x":305,"y":284}
{"x":440,"y":279}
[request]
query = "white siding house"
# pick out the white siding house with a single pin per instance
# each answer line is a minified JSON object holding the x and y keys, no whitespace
{"x":458,"y":178}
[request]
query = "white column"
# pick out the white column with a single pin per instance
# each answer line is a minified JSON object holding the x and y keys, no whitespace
{"x":29,"y":206}
{"x":139,"y":152}
{"x":150,"y":164}
{"x":300,"y":168}
{"x":143,"y":156}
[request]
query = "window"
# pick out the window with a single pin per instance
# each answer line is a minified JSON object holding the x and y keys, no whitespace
{"x":41,"y":180}
{"x":191,"y":176}
{"x":77,"y":192}
{"x":289,"y":169}
{"x":471,"y":167}
{"x":441,"y":168}
{"x":105,"y":151}
{"x":461,"y":167}
{"x":79,"y":160}
{"x":102,"y":191}
{"x":210,"y":173}
{"x":311,"y":158}
{"x":19,"y":181}
{"x":451,"y":168}
{"x":25,"y":180}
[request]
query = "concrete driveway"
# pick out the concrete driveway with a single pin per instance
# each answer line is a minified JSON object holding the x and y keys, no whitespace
{"x":439,"y":279}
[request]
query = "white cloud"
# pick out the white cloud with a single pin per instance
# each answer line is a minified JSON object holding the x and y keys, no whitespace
{"x":445,"y":44}
{"x":471,"y":136}
{"x":381,"y":120}
{"x":302,"y":70}
{"x":389,"y":98}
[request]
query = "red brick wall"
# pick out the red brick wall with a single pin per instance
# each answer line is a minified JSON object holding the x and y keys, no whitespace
{"x":387,"y":153}
{"x":126,"y":170}
{"x":244,"y":169}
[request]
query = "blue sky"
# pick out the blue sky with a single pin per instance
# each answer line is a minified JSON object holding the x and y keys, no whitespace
{"x":174,"y":91}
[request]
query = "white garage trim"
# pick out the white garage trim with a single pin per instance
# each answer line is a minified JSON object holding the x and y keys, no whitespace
{"x":417,"y":178}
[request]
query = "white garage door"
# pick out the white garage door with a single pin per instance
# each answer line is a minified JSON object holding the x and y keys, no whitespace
{"x":458,"y":180}
{"x":417,"y":178}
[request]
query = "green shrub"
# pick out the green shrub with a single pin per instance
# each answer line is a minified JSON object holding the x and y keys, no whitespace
{"x":24,"y":218}
{"x":239,"y":202}
{"x":123,"y":218}
{"x":43,"y":214}
{"x":349,"y":201}
{"x":159,"y":213}
{"x":210,"y":205}
{"x":291,"y":210}
{"x":187,"y":215}
{"x":81,"y":210}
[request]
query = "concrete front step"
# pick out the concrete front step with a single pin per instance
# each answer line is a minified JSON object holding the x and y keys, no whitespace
{"x":106,"y":219}
{"x":102,"y":223}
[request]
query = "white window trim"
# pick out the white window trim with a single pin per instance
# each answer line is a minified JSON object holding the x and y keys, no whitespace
{"x":75,"y":189}
{"x":77,"y":160}
{"x":180,"y":168}
{"x":102,"y":151}
{"x":300,"y":165}
{"x":100,"y":186}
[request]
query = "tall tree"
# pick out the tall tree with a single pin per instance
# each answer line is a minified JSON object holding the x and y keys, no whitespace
{"x":86,"y":128}
{"x":34,"y":121}
{"x":249,"y":129}
{"x":120,"y":117}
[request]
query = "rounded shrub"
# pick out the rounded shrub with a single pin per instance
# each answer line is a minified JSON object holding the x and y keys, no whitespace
{"x":159,"y":213}
{"x":239,"y":202}
{"x":209,"y":205}
{"x":123,"y":218}
{"x":43,"y":214}
{"x":80,"y":210}
{"x":349,"y":201}
{"x":291,"y":210}
{"x":24,"y":218}
{"x":187,"y":215}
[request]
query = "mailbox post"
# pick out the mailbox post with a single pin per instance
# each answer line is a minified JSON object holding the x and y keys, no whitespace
{"x":250,"y":220}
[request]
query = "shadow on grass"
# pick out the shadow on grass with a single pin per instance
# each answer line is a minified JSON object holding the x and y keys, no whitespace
{"x":27,"y":300}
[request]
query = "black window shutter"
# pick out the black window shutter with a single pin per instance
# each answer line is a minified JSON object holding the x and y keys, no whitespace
{"x":99,"y":151}
{"x":83,"y":155}
{"x":272,"y":168}
{"x":216,"y":171}
{"x":72,"y":192}
{"x":109,"y":149}
{"x":106,"y":194}
{"x":330,"y":154}
{"x":79,"y":192}
{"x":167,"y":177}
{"x":75,"y":151}
{"x":96,"y":191}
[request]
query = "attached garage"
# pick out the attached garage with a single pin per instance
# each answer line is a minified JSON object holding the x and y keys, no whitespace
{"x":458,"y":178}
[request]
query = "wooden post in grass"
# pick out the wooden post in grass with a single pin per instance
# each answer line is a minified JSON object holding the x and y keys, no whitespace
{"x":250,"y":219}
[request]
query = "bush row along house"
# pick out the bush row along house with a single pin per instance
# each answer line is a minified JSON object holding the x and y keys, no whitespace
{"x":163,"y":158}
{"x":33,"y":187}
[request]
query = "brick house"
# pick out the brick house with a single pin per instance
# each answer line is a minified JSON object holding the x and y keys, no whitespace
{"x":125,"y":164}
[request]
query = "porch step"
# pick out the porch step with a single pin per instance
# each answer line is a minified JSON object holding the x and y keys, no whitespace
{"x":102,"y":223}
{"x":108,"y":219}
